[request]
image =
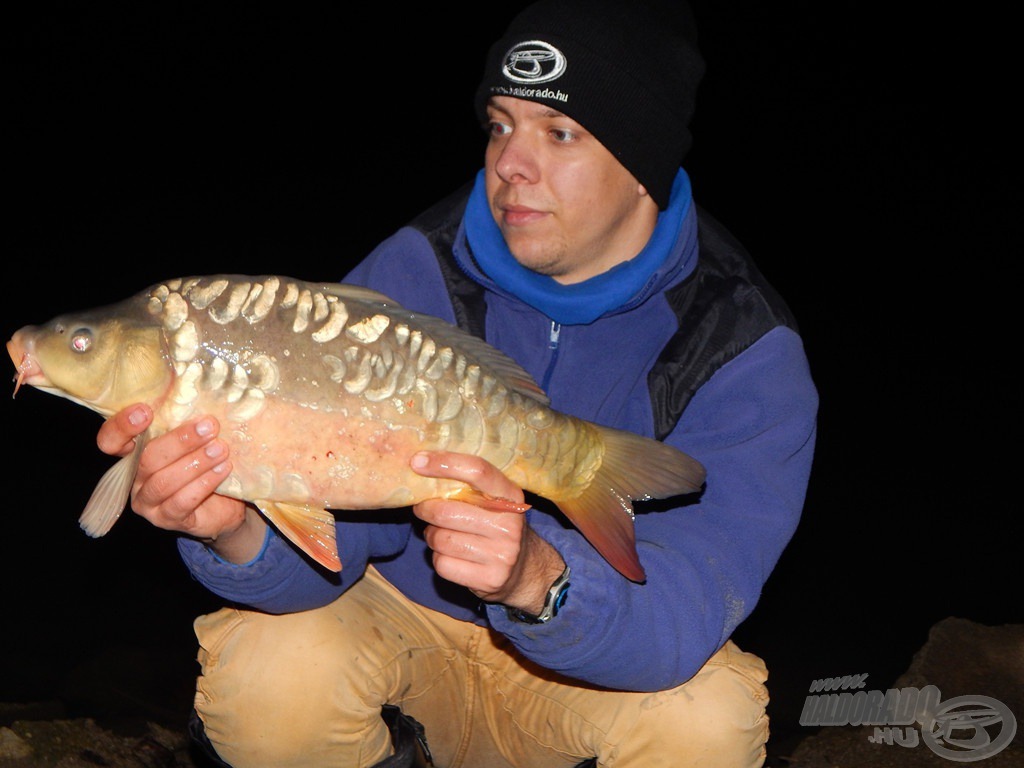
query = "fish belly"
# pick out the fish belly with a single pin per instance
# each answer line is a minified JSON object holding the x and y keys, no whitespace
{"x":328,"y":459}
{"x":356,"y":455}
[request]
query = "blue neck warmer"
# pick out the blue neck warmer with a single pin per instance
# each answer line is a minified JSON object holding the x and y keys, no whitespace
{"x":584,"y":302}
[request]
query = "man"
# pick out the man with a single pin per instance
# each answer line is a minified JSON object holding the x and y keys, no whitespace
{"x":577,"y":250}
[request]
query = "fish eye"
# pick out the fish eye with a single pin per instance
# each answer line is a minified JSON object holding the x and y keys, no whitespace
{"x":81,"y":340}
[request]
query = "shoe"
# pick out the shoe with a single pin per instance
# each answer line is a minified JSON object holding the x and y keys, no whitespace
{"x":407,"y":737}
{"x":200,"y":748}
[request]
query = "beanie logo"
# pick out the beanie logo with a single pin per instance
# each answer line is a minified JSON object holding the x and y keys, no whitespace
{"x":533,"y":61}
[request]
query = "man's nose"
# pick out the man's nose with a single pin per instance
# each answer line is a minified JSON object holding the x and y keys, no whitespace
{"x":516,"y":162}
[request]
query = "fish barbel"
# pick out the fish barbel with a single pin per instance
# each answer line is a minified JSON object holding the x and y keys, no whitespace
{"x":324,"y":392}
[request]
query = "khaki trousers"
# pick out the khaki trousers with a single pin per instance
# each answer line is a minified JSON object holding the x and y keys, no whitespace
{"x":306,"y":689}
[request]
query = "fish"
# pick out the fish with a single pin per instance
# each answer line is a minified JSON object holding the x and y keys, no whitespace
{"x":324,"y":392}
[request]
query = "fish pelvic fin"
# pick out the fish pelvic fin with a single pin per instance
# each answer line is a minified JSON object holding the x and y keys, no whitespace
{"x":632,"y":467}
{"x":110,"y":495}
{"x":310,"y":528}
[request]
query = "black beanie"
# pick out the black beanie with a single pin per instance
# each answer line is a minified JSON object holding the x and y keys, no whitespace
{"x":626,"y":71}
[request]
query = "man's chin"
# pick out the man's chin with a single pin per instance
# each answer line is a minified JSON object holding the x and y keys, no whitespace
{"x":535,"y":263}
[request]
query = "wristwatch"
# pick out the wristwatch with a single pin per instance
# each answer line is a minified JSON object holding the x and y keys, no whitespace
{"x":553,"y":601}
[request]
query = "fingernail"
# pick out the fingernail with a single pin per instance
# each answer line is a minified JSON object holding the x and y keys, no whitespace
{"x":137,"y":416}
{"x":204,"y":427}
{"x":221,"y":468}
{"x":418,"y":461}
{"x":214,"y":449}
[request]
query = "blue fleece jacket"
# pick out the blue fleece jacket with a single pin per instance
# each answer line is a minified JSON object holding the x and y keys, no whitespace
{"x":752,"y":425}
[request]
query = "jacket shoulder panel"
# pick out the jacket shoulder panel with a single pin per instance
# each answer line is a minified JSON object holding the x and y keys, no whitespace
{"x":722,"y":308}
{"x":440,"y":225}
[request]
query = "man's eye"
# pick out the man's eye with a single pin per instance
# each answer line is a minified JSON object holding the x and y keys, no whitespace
{"x":563,"y":136}
{"x":500,"y":129}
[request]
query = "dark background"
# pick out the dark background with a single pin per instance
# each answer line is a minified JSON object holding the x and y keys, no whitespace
{"x":863,"y":159}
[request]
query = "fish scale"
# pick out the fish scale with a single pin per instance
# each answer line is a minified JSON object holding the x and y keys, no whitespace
{"x":324,"y":392}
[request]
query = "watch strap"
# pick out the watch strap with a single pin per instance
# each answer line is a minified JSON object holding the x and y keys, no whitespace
{"x":553,"y":601}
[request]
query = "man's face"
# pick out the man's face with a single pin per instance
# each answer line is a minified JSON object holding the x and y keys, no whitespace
{"x":566,"y":207}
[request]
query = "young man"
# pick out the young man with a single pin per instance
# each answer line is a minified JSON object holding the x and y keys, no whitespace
{"x":577,"y":250}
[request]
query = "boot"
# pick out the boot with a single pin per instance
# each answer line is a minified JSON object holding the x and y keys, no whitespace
{"x":407,"y":737}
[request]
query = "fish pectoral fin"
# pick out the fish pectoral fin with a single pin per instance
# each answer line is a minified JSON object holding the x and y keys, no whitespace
{"x":310,"y":528}
{"x":110,"y":495}
{"x":485,"y":501}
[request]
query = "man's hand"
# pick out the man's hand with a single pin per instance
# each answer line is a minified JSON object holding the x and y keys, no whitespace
{"x":495,"y":554}
{"x":178,"y":474}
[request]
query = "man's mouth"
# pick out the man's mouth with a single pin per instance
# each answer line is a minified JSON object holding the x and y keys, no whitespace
{"x":520,"y":215}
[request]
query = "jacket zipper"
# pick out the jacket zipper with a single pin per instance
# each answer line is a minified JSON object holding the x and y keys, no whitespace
{"x":553,"y":333}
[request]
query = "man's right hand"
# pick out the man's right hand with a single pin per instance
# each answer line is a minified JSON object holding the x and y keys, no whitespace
{"x":177,"y":478}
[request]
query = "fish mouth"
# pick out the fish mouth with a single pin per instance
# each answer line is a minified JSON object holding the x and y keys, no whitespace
{"x":27,"y":370}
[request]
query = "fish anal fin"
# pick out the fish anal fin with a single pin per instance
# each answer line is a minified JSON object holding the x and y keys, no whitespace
{"x":606,"y":521}
{"x":483,"y":500}
{"x":310,"y":528}
{"x":632,"y":467}
{"x":111,"y":493}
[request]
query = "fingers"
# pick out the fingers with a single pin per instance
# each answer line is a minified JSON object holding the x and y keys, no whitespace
{"x":472,"y":470}
{"x":489,"y":549}
{"x":117,"y":434}
{"x":178,"y":475}
{"x":189,"y":448}
{"x":476,"y":546}
{"x":461,"y":529}
{"x":493,"y":554}
{"x":471,"y":546}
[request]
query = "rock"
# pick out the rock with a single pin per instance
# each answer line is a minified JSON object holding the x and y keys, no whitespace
{"x":12,"y":746}
{"x":960,"y":658}
{"x":83,"y":744}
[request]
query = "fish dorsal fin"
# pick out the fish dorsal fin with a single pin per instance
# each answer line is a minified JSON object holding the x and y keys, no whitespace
{"x":446,"y":334}
{"x":310,"y":528}
{"x":360,"y":293}
{"x":110,"y":496}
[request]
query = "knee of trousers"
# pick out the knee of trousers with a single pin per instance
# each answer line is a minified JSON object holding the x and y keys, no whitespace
{"x":717,"y":718}
{"x":273,"y":687}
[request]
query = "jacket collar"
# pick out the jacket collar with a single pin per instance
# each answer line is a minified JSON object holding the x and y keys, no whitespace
{"x":670,"y":255}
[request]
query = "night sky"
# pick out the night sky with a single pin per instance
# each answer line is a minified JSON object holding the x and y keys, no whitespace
{"x":863,"y":162}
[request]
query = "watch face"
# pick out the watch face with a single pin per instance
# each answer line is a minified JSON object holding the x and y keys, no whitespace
{"x":559,"y":600}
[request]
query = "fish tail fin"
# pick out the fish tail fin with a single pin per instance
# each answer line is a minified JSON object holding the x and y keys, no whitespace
{"x":633,"y":467}
{"x":311,"y":529}
{"x":111,"y":493}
